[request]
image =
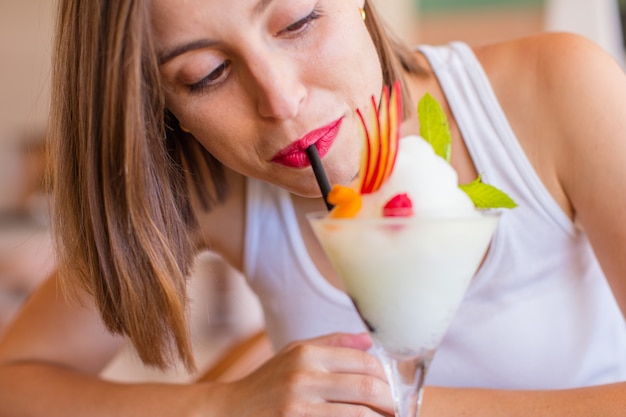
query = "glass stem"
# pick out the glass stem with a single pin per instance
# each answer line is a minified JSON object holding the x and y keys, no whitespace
{"x":406,"y":377}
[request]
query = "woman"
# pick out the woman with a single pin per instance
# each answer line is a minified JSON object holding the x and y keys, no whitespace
{"x":172,"y":124}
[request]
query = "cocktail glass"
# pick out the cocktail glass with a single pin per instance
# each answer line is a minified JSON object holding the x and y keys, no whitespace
{"x":406,"y":277}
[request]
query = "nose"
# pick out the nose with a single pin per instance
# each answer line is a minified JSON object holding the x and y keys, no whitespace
{"x":279,"y":88}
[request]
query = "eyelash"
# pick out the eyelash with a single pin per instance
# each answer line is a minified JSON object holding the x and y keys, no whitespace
{"x":207,"y":81}
{"x":292,"y":30}
{"x":301,"y":24}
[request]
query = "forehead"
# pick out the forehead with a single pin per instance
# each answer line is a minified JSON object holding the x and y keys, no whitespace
{"x":174,"y":21}
{"x":228,"y":22}
{"x":172,"y":14}
{"x":166,"y":13}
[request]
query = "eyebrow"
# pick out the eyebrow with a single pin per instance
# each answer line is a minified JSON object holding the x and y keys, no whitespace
{"x":168,"y":55}
{"x":184,"y":48}
{"x":260,"y":7}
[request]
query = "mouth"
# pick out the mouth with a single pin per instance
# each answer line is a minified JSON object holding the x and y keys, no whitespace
{"x":294,"y":155}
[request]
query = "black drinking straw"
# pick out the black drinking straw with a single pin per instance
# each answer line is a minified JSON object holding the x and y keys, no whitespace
{"x":320,"y":174}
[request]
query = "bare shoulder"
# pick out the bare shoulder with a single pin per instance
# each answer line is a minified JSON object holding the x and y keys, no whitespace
{"x":554,"y":70}
{"x":546,"y":52}
{"x":565,"y":85}
{"x":52,"y":328}
{"x":564,"y":97}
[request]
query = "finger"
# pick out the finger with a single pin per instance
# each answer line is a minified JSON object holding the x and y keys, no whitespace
{"x":360,"y":341}
{"x":332,"y":359}
{"x":357,"y":389}
{"x":350,"y":410}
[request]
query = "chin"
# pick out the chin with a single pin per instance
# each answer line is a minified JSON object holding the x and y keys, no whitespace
{"x":306,"y":192}
{"x":302,"y":187}
{"x":343,"y":178}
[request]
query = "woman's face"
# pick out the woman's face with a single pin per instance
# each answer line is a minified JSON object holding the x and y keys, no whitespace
{"x":257,"y":81}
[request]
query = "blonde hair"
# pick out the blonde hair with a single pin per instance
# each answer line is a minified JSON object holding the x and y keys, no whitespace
{"x":123,"y":173}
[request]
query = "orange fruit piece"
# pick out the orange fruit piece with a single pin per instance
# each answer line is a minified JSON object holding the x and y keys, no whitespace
{"x":346,"y":200}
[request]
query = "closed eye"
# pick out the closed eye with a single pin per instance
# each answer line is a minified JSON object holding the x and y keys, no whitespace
{"x":213,"y":79}
{"x":301,"y":24}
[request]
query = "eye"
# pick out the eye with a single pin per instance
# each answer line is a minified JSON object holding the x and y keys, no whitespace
{"x":213,"y":79}
{"x":301,"y":24}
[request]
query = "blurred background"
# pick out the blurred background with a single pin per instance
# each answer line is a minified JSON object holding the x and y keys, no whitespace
{"x":223,"y":309}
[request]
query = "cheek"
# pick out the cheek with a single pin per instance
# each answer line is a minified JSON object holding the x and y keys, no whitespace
{"x":353,"y":60}
{"x":216,"y":127}
{"x":236,"y":155}
{"x":227,"y":143}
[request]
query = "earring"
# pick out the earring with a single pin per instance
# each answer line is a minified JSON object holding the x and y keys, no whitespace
{"x":184,"y":129}
{"x":362,"y":11}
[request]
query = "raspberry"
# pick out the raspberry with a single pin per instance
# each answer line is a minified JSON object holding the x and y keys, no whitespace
{"x":400,"y":205}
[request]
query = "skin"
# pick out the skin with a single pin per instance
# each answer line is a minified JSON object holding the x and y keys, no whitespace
{"x":271,"y":92}
{"x":562,"y":95}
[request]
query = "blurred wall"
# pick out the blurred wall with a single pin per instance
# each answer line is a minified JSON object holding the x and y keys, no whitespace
{"x":599,"y":20}
{"x":25,"y":43}
{"x":400,"y":15}
{"x":477,"y":21}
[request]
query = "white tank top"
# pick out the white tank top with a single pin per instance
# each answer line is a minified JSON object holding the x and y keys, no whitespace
{"x":538,"y":314}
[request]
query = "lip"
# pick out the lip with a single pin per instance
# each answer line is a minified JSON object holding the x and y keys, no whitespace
{"x":294,"y":155}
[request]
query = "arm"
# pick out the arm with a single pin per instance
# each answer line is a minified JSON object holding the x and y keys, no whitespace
{"x":591,"y":166}
{"x":599,"y":401}
{"x":50,"y":359}
{"x":49,"y":362}
{"x":566,"y":99}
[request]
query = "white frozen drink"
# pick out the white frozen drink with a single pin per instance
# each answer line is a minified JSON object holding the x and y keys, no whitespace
{"x":407,"y":275}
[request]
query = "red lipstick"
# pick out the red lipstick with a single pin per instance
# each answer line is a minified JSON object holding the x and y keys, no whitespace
{"x":294,"y":155}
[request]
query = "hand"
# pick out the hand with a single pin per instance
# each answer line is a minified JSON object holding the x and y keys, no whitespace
{"x":328,"y":376}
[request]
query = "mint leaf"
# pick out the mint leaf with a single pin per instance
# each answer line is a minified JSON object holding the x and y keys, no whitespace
{"x":435,"y":130}
{"x":487,"y":196}
{"x":434,"y":126}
